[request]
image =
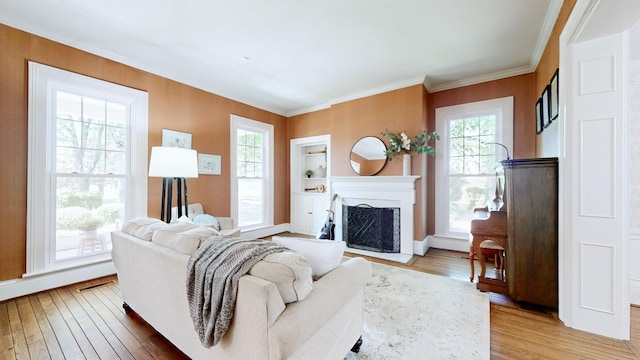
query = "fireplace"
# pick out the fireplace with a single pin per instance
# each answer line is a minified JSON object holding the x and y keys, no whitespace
{"x":386,"y":192}
{"x":371,"y":228}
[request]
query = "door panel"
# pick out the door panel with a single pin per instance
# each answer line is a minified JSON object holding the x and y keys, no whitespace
{"x":596,"y":228}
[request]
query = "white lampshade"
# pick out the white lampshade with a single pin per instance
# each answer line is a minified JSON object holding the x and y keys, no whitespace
{"x":173,"y":162}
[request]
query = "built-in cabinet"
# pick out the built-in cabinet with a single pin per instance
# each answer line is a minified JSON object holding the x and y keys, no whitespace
{"x":532,"y":225}
{"x":309,"y":192}
{"x":308,"y":213}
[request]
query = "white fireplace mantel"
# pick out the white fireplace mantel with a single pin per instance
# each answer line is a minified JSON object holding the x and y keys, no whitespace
{"x":378,"y":191}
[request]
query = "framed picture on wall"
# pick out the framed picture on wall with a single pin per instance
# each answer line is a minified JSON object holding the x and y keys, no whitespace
{"x":171,"y":138}
{"x":554,"y":103}
{"x":545,"y":107}
{"x":539,"y":116}
{"x":209,"y":164}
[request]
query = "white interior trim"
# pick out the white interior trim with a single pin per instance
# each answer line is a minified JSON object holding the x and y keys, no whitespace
{"x":43,"y":82}
{"x":504,"y":136}
{"x":239,"y":122}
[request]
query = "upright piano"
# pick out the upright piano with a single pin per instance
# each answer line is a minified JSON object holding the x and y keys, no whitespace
{"x":527,"y":228}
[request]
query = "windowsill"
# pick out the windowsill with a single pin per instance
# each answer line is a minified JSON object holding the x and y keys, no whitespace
{"x":43,"y":280}
{"x":255,"y":228}
{"x":62,"y":268}
{"x":453,"y":237}
{"x":449,"y":242}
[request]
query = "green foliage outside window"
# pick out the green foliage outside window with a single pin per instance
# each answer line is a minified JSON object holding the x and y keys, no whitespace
{"x":85,"y":199}
{"x":249,"y":154}
{"x":70,"y":218}
{"x":109,"y":213}
{"x":471,"y":166}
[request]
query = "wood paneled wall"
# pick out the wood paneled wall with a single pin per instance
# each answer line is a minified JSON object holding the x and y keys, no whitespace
{"x":398,"y":110}
{"x":520,"y":87}
{"x":179,"y":107}
{"x":550,"y":59}
{"x":172,"y":105}
{"x":524,"y":132}
{"x":411,"y":109}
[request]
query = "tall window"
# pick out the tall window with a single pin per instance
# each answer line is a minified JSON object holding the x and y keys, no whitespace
{"x":467,"y":162}
{"x":85,"y":148}
{"x":252,"y":165}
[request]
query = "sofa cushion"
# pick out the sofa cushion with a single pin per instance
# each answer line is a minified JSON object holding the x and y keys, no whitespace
{"x":324,"y":255}
{"x":143,"y":227}
{"x":183,"y":237}
{"x":207,"y":219}
{"x":290,"y":271}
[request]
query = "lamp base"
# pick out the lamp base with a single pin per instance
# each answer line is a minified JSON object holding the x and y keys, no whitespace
{"x":167,"y":198}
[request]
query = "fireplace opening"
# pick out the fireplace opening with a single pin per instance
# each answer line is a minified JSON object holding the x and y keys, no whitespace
{"x":371,"y":228}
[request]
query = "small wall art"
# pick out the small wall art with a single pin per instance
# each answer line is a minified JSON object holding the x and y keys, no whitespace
{"x":554,"y":101}
{"x":545,"y":107}
{"x":209,"y":164}
{"x":539,"y":116}
{"x":172,"y":138}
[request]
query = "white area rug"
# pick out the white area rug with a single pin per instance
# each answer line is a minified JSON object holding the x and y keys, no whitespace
{"x":414,"y":315}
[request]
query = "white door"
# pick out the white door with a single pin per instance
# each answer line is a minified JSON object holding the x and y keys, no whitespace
{"x":596,"y":279}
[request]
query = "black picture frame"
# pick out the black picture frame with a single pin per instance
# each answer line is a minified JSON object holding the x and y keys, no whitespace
{"x":545,"y":106}
{"x":554,"y":100}
{"x":539,"y":116}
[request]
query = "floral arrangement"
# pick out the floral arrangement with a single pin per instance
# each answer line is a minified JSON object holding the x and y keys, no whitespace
{"x":400,"y":142}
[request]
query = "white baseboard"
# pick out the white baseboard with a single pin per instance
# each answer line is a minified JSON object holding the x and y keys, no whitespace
{"x":19,"y":287}
{"x":634,"y":292}
{"x":421,"y":247}
{"x":448,"y":243}
{"x":265,"y":231}
{"x":634,"y":267}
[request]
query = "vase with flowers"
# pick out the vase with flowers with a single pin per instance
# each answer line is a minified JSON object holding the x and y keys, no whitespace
{"x":401,"y":144}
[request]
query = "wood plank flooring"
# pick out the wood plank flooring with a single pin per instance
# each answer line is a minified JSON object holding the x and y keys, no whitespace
{"x":86,"y":321}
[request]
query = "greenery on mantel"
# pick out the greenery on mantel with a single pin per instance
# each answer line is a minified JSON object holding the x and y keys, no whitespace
{"x":400,"y":143}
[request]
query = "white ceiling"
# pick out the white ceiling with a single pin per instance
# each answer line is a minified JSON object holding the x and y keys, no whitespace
{"x":295,"y":56}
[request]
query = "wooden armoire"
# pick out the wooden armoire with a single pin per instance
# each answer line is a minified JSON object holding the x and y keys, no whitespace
{"x":531,"y":191}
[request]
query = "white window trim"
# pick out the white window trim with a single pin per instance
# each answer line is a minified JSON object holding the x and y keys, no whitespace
{"x":43,"y":81}
{"x":244,"y":123}
{"x":443,"y":114}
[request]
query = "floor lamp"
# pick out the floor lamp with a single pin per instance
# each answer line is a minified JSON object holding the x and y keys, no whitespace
{"x":173,"y":163}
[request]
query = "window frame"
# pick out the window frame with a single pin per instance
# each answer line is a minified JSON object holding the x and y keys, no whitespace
{"x":41,"y":234}
{"x":268,"y":186}
{"x":504,"y":135}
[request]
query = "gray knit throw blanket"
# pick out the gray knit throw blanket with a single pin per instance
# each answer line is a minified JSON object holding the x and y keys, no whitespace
{"x":213,"y":272}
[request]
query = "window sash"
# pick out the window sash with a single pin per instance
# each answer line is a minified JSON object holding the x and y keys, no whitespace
{"x":45,"y":82}
{"x":252,"y":186}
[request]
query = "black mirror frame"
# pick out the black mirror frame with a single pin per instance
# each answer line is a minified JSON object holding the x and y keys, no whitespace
{"x":383,"y":148}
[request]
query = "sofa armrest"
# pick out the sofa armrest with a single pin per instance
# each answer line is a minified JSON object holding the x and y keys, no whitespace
{"x":226,"y":226}
{"x":336,"y":299}
{"x":226,"y":223}
{"x":260,"y":293}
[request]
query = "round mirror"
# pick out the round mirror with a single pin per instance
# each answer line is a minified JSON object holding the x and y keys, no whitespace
{"x":367,"y":156}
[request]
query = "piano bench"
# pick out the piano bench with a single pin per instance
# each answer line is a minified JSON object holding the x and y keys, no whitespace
{"x":491,"y":249}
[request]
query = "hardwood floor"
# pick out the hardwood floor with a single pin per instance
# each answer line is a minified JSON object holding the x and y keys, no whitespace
{"x":86,"y":321}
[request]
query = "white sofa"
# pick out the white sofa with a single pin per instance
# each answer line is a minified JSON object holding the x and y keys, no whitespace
{"x":324,"y":325}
